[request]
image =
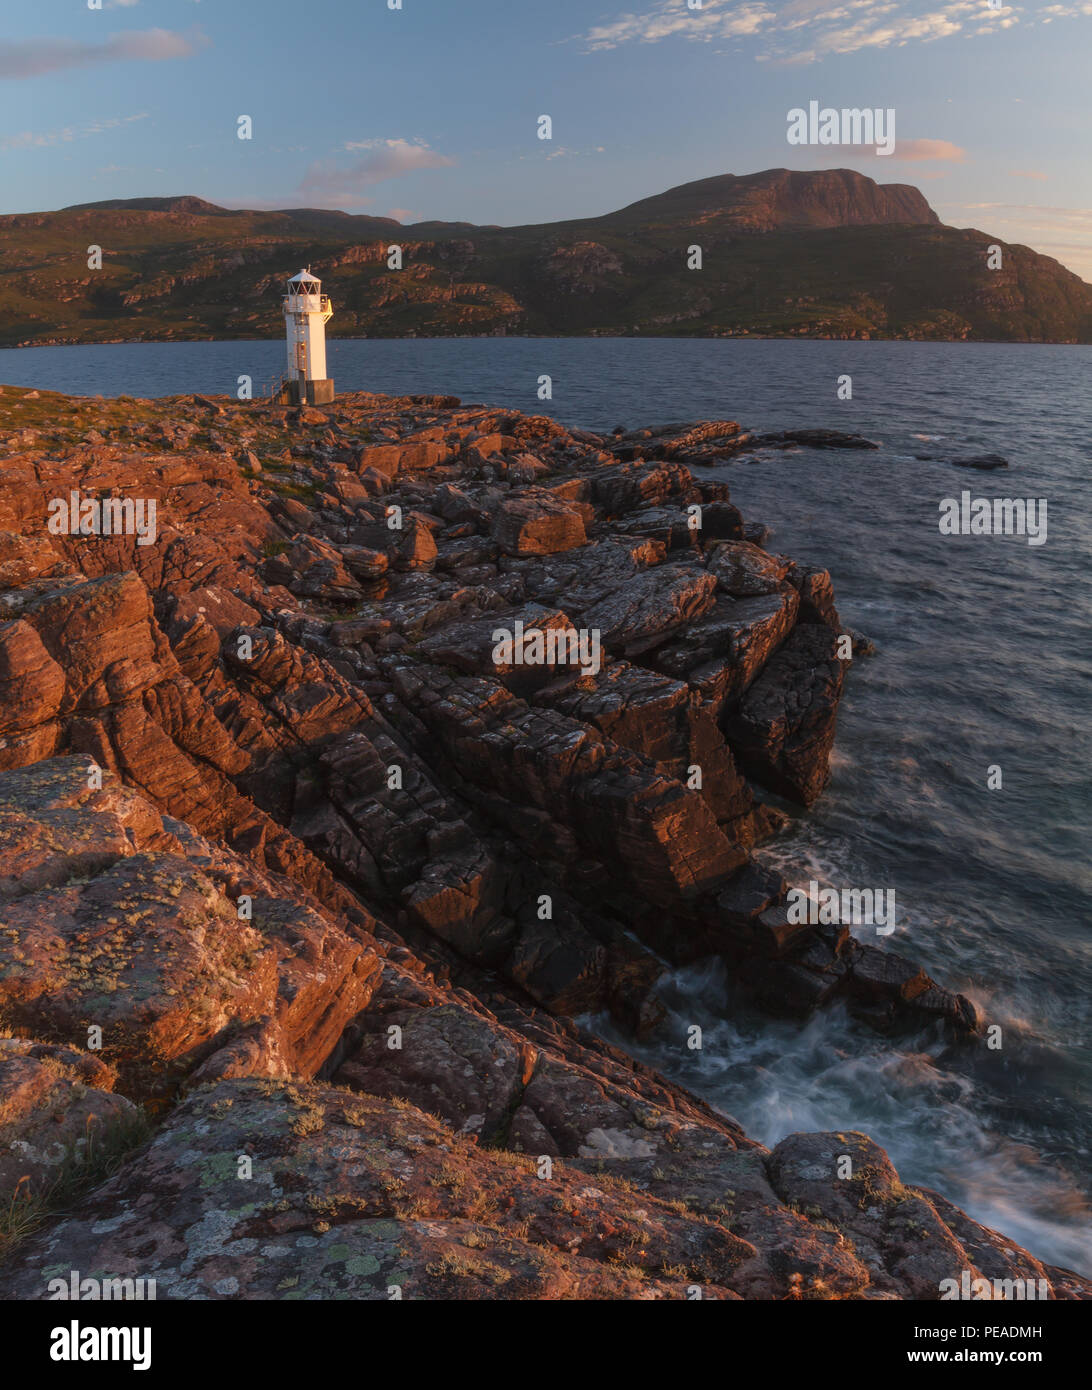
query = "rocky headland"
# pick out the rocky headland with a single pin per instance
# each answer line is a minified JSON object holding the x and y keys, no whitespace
{"x":305,"y":877}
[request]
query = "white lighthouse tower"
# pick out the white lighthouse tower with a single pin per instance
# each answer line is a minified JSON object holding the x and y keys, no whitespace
{"x":306,"y":310}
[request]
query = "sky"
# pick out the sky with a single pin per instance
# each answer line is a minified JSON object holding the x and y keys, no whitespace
{"x":431,"y":109}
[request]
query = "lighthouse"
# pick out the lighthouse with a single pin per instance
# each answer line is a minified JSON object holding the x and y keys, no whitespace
{"x":306,"y":310}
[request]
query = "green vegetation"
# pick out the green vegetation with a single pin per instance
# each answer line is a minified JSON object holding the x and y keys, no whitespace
{"x":103,"y":1150}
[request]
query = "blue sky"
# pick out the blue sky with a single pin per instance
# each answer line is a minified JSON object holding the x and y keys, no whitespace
{"x":430,"y":111}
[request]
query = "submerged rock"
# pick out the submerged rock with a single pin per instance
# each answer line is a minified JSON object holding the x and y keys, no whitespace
{"x":812,"y":439}
{"x":984,"y":462}
{"x":987,"y":462}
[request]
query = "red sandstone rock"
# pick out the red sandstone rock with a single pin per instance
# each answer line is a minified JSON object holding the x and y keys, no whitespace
{"x":537,"y":525}
{"x":55,"y":1106}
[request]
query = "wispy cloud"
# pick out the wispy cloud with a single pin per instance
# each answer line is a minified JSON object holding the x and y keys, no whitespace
{"x":383,"y":159}
{"x":926,"y":151}
{"x":564,"y":152}
{"x":33,"y":57}
{"x":805,"y":31}
{"x":907,"y":151}
{"x":668,"y":19}
{"x":42,"y":139}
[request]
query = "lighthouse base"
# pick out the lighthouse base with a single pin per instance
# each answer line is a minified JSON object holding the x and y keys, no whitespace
{"x":319,"y":392}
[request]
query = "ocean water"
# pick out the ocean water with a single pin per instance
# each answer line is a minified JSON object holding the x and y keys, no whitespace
{"x":983,"y":660}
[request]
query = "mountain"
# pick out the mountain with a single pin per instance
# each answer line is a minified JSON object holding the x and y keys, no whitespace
{"x":783,"y":198}
{"x":827,"y":254}
{"x":197,"y":205}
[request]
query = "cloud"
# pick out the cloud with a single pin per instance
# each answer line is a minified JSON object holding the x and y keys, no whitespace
{"x":908,"y":151}
{"x":564,"y":152}
{"x":384,"y":159}
{"x":805,"y":31}
{"x":34,"y":57}
{"x":31,"y":139}
{"x":1028,"y":174}
{"x":922,"y":151}
{"x":668,"y":19}
{"x":387,"y":159}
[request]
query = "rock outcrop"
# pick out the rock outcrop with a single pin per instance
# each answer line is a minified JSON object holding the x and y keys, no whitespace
{"x":412,"y":734}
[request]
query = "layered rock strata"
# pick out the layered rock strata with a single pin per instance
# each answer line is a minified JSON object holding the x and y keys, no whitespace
{"x":299,"y":860}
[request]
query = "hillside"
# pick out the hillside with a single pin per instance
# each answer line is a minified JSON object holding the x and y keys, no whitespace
{"x":824,"y":254}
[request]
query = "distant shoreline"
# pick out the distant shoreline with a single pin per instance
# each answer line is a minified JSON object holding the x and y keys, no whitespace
{"x":574,"y":337}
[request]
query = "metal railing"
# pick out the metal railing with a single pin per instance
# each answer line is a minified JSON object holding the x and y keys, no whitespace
{"x":273,"y":389}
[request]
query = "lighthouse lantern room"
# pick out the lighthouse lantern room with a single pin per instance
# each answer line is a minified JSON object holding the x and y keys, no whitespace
{"x":306,"y":310}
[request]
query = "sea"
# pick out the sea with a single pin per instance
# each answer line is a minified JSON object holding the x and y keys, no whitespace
{"x":962,"y":775}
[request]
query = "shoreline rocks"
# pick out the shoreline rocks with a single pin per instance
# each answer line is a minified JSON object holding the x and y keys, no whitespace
{"x":278,"y":821}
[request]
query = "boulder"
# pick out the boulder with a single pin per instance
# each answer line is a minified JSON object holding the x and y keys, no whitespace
{"x":392,"y":460}
{"x":121,"y":927}
{"x":56,"y":1110}
{"x":650,"y":607}
{"x":537,"y":524}
{"x":782,"y":731}
{"x":721,"y":653}
{"x":744,"y":570}
{"x":897,"y":1233}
